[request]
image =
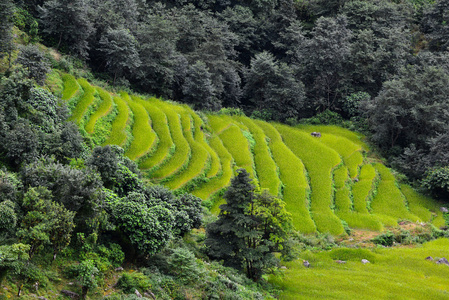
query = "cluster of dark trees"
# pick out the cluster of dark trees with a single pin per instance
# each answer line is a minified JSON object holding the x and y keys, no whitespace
{"x":383,"y":63}
{"x":54,"y":188}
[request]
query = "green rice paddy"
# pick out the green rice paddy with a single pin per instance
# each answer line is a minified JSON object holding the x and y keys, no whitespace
{"x":84,"y":102}
{"x":118,"y":133}
{"x":71,"y":87}
{"x":323,"y":181}
{"x":103,"y":109}
{"x":144,"y":138}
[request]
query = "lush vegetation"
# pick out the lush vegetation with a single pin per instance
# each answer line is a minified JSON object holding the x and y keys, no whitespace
{"x":109,"y":190}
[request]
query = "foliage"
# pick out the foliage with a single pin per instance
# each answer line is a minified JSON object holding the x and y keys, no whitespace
{"x":249,"y":229}
{"x":129,"y":282}
{"x":66,"y":23}
{"x":436,"y":181}
{"x":35,"y":62}
{"x":86,"y":276}
{"x":118,"y":173}
{"x":12,"y":258}
{"x":45,"y":222}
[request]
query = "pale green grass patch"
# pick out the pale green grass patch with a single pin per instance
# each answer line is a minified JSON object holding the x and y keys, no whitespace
{"x":424,"y":207}
{"x":71,"y":87}
{"x":161,"y":128}
{"x":354,"y":162}
{"x":144,"y":138}
{"x":118,"y":132}
{"x":217,"y":183}
{"x":219,"y":123}
{"x":238,"y":145}
{"x":361,"y":190}
{"x":292,"y":174}
{"x":215,"y":165}
{"x":197,"y":163}
{"x":394,"y":273}
{"x":84,"y":102}
{"x":103,"y":109}
{"x":319,"y":161}
{"x":181,"y":155}
{"x":389,"y":200}
{"x":354,"y":137}
{"x":266,"y":168}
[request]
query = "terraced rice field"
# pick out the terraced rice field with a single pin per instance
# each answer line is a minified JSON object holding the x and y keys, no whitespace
{"x":324,"y":181}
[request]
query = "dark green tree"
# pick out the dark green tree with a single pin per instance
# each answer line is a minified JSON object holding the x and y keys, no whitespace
{"x":66,"y":22}
{"x":323,"y":58}
{"x":148,"y":227}
{"x":435,"y":24}
{"x":117,"y":171}
{"x":410,"y":109}
{"x":157,"y":37}
{"x":198,"y":88}
{"x":45,"y":222}
{"x":250,"y":227}
{"x":33,"y":60}
{"x":6,"y":38}
{"x":273,"y":87}
{"x":119,"y":48}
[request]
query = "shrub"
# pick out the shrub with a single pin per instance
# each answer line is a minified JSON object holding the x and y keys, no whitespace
{"x":183,"y":265}
{"x":129,"y":282}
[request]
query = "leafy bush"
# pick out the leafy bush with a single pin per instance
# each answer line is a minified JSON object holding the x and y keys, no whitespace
{"x":129,"y":282}
{"x":384,"y":239}
{"x":183,"y":265}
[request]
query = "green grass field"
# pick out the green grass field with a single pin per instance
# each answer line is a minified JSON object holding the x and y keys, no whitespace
{"x":394,"y":273}
{"x":118,"y":132}
{"x":84,"y":102}
{"x":103,"y":109}
{"x":236,"y":143}
{"x":197,"y":163}
{"x":217,"y":183}
{"x":389,"y":201}
{"x":293,"y":177}
{"x":144,"y":138}
{"x":181,"y":155}
{"x":71,"y":87}
{"x":322,"y":180}
{"x":162,"y":130}
{"x":319,"y":161}
{"x":266,"y":168}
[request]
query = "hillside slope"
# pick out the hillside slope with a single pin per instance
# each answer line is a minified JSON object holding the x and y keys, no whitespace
{"x":326,"y":182}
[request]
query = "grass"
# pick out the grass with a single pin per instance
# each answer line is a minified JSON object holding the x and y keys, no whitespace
{"x":394,"y":273}
{"x":343,"y":201}
{"x":424,"y":207}
{"x":266,"y":168}
{"x":292,"y":174}
{"x":354,"y":162}
{"x":215,"y":165}
{"x":237,"y":144}
{"x":198,"y":161}
{"x":217,"y":183}
{"x":181,"y":156}
{"x":71,"y":87}
{"x":103,"y":109}
{"x":319,"y":161}
{"x":118,"y":132}
{"x":144,"y":138}
{"x":84,"y":102}
{"x":160,"y":126}
{"x":389,"y":200}
{"x":354,"y":137}
{"x":219,"y":123}
{"x":362,"y":189}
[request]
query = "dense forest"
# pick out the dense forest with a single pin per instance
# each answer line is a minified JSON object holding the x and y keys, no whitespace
{"x":378,"y":67}
{"x":381,"y":65}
